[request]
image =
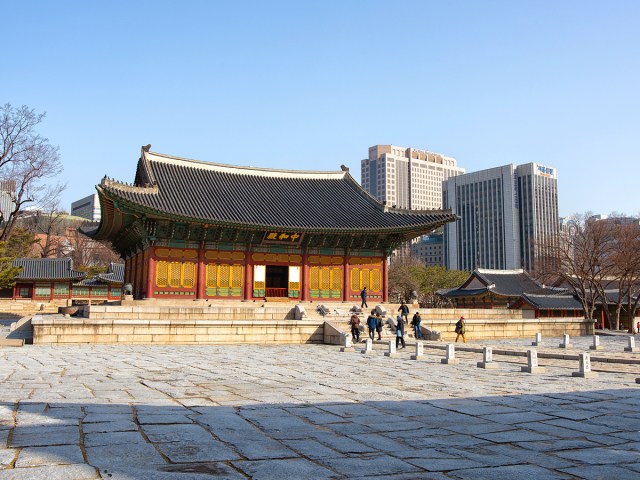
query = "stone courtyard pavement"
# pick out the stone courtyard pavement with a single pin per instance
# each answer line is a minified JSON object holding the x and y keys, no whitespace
{"x":309,"y":411}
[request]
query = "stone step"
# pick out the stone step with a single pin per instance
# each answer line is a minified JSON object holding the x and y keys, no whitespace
{"x":11,"y":342}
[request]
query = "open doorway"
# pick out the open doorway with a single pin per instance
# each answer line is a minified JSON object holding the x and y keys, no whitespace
{"x":277,"y":281}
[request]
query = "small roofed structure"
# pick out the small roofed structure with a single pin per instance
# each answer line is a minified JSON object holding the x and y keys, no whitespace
{"x":548,"y":306}
{"x":51,"y":279}
{"x":197,"y":230}
{"x":496,"y":289}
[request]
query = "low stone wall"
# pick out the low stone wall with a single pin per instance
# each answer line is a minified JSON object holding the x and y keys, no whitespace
{"x":59,"y":329}
{"x":494,"y":328}
{"x":213,"y":312}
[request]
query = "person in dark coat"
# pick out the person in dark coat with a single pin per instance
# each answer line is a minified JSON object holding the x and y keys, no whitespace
{"x":400,"y":332}
{"x":372,"y":324}
{"x":404,"y":311}
{"x":363,"y":295}
{"x":379,"y":326}
{"x":415,"y":322}
{"x":460,"y":330}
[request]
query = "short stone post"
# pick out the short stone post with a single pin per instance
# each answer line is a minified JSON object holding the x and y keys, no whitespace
{"x":392,"y":349}
{"x":584,"y":360}
{"x":596,"y":343}
{"x":532,"y":363}
{"x":566,"y":343}
{"x":487,"y":359}
{"x":450,"y":355}
{"x":632,"y":345}
{"x":346,"y":343}
{"x":368,"y":347}
{"x":538,"y":340}
{"x":419,"y":352}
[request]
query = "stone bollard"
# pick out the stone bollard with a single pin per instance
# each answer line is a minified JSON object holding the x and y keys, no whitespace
{"x":368,"y":347}
{"x":632,"y":345}
{"x":596,"y":343}
{"x":392,"y":349}
{"x":584,"y":360}
{"x":450,"y":355}
{"x":487,"y":359}
{"x":419,"y":352}
{"x":538,"y":340}
{"x":532,"y":363}
{"x":346,"y":343}
{"x":566,"y":343}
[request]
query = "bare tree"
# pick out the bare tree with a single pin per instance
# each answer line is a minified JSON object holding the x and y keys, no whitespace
{"x":626,"y":261}
{"x":572,"y":262}
{"x":27,"y":160}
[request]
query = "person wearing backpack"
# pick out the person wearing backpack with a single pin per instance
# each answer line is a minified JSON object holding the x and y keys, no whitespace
{"x":400,"y":332}
{"x":460,"y":329}
{"x":372,"y":323}
{"x":355,"y":328}
{"x":404,"y":311}
{"x":379,"y":326}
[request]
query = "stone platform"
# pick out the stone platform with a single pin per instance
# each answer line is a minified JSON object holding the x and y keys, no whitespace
{"x":263,"y":322}
{"x":171,"y":412}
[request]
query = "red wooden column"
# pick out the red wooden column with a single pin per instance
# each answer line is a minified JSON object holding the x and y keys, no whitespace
{"x":151,"y":273}
{"x":134,"y":272}
{"x":201,"y":282}
{"x":248,"y":275}
{"x":51,"y":286}
{"x":345,"y":278}
{"x":304,"y":283}
{"x":385,"y":280}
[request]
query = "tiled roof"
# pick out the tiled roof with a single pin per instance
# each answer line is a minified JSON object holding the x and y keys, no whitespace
{"x":553,"y":302}
{"x":506,"y":283}
{"x":511,"y":282}
{"x":47,"y":269}
{"x":229,"y":195}
{"x":115,"y":274}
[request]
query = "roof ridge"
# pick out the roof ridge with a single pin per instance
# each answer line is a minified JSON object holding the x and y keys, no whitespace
{"x":239,"y":169}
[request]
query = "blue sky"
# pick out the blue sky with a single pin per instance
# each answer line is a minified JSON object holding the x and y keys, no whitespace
{"x":311,"y":85}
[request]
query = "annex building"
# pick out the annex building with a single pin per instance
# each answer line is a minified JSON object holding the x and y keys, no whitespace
{"x":198,"y":230}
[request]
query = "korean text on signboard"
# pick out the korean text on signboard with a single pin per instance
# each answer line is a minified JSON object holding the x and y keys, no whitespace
{"x":282,"y":237}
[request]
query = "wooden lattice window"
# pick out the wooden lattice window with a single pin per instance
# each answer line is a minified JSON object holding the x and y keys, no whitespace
{"x":224,"y":276}
{"x":175,"y":274}
{"x":336,"y":279}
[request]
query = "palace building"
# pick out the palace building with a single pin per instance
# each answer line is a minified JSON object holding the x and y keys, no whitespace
{"x":198,"y":230}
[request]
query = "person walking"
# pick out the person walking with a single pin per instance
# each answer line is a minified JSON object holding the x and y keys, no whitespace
{"x":372,"y":323}
{"x":460,"y":329}
{"x":363,"y":295}
{"x":400,"y":332}
{"x":404,"y":312}
{"x":355,"y":328}
{"x":415,"y":322}
{"x":379,"y":326}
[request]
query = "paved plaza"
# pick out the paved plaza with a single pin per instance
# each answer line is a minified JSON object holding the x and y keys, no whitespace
{"x":310,"y":411}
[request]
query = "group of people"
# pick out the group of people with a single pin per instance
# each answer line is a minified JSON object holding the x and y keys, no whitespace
{"x":374,"y":324}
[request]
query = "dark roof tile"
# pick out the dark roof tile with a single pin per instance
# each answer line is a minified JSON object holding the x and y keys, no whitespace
{"x":47,"y":269}
{"x":279,"y":199}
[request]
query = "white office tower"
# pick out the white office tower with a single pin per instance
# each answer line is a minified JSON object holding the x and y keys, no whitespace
{"x":407,"y":177}
{"x":506,"y":214}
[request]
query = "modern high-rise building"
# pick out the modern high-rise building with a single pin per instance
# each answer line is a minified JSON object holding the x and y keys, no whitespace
{"x":506,"y":215}
{"x":407,"y":177}
{"x":87,"y":207}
